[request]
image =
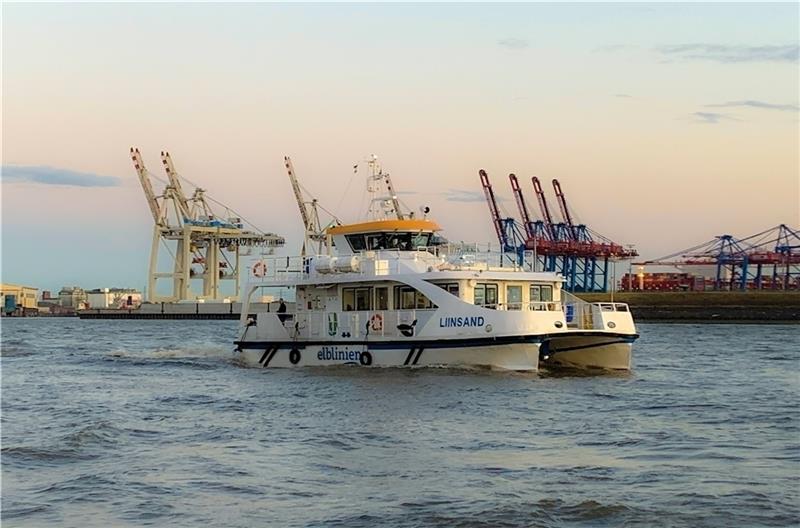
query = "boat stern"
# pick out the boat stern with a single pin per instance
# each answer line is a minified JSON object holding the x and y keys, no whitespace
{"x":599,"y":335}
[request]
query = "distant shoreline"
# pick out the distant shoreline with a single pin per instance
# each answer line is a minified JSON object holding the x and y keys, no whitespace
{"x":708,"y":307}
{"x":647,"y":307}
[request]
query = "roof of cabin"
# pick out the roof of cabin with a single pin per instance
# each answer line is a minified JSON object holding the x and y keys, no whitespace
{"x":385,"y":226}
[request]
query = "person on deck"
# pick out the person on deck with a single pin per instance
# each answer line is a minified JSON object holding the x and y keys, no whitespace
{"x":282,"y":315}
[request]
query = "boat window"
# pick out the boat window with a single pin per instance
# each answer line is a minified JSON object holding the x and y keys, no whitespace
{"x":407,"y":298}
{"x":514,"y":297}
{"x":540,"y":293}
{"x":404,"y":299}
{"x":400,"y":241}
{"x":547,"y":293}
{"x":536,"y":293}
{"x":536,"y":297}
{"x":357,"y":242}
{"x":348,"y":299}
{"x":381,"y":298}
{"x":356,"y":299}
{"x":486,"y":295}
{"x":451,"y":287}
{"x":420,"y":240}
{"x":363,"y":299}
{"x":437,"y":240}
{"x":376,"y":241}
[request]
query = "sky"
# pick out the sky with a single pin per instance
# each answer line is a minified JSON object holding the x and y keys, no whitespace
{"x":665,"y":124}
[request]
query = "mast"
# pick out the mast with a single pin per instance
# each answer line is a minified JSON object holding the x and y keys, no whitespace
{"x":382,"y":205}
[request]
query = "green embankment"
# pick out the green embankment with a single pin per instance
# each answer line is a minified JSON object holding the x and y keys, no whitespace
{"x":765,"y":306}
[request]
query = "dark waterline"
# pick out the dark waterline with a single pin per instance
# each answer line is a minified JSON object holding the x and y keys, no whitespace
{"x":123,"y":423}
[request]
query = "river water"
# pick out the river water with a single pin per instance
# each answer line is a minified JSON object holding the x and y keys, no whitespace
{"x":131,"y":423}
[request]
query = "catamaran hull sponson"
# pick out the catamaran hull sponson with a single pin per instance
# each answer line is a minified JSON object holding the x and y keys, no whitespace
{"x":520,"y":353}
{"x":611,"y":352}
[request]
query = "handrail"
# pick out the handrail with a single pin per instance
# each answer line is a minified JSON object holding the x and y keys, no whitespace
{"x":273,"y":268}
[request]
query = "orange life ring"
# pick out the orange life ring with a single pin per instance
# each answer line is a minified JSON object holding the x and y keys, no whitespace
{"x":376,"y":322}
{"x":260,"y":269}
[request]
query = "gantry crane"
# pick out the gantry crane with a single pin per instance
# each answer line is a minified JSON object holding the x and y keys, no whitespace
{"x":509,"y":235}
{"x":731,"y":263}
{"x":580,"y":255}
{"x":193,"y":235}
{"x":195,"y":209}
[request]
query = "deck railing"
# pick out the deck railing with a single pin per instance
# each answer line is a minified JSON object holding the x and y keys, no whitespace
{"x":381,"y":262}
{"x":587,"y":316}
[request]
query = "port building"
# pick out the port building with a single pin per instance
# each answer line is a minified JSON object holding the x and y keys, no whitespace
{"x":18,"y":299}
{"x":113,"y":298}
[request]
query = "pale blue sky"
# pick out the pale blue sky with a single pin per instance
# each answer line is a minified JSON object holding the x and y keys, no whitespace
{"x":666,"y":124}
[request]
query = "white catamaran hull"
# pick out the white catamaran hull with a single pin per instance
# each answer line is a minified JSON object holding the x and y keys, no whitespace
{"x":522,"y":356}
{"x":588,"y":351}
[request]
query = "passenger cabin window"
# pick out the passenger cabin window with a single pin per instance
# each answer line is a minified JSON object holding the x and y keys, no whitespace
{"x":486,"y":295}
{"x":451,"y":288}
{"x":408,"y":298}
{"x":356,"y":299}
{"x":540,"y":294}
{"x":381,"y":298}
{"x":547,"y":293}
{"x":514,"y":297}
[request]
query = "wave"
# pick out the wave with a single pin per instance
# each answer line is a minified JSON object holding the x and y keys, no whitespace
{"x":85,"y":443}
{"x":173,"y":353}
{"x":42,"y":454}
{"x":14,"y":351}
{"x":440,"y":511}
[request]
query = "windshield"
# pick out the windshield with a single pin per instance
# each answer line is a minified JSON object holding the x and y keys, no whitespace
{"x":398,"y":241}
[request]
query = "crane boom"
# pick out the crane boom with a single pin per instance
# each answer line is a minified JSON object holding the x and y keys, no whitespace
{"x":175,"y":183}
{"x":308,"y":211}
{"x":147,"y":185}
{"x":298,"y":194}
{"x":523,"y":209}
{"x":493,"y":210}
{"x":562,"y":204}
{"x":548,"y":219}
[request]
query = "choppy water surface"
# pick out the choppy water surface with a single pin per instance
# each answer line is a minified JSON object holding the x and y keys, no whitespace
{"x":115,"y":423}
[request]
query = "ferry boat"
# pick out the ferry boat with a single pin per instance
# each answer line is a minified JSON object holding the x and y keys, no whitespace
{"x":389,"y":292}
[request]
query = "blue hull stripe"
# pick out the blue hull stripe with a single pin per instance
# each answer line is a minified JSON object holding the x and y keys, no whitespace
{"x":436,"y":343}
{"x":554,"y":351}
